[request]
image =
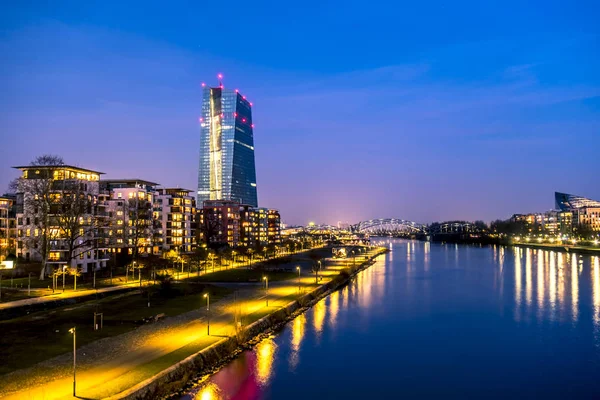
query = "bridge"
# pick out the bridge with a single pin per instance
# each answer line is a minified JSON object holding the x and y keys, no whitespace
{"x":401,"y":227}
{"x":388,"y":226}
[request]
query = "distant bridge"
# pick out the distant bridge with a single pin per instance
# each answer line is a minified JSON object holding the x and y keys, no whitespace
{"x":401,"y":227}
{"x":388,"y":226}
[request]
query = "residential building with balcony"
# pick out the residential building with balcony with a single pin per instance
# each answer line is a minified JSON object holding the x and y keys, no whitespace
{"x":58,"y":214}
{"x":8,"y":225}
{"x":131,"y":228}
{"x":174,"y":213}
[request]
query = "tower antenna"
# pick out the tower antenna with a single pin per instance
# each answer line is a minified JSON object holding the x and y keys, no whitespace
{"x":220,"y":76}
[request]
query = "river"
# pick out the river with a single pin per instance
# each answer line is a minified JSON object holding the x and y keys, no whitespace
{"x":436,"y":321}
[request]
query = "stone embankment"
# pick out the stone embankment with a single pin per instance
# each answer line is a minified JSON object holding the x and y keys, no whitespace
{"x":176,"y":377}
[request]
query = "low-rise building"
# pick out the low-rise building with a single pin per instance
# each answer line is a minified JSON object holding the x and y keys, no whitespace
{"x":219,"y":222}
{"x":57,"y":217}
{"x":8,"y":225}
{"x":175,"y":213}
{"x":235,"y":224}
{"x":129,"y":205}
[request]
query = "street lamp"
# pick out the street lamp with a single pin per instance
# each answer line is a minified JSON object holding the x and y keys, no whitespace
{"x":207,"y":296}
{"x":73,"y":331}
{"x":4,"y":265}
{"x":63,"y":274}
{"x":298,"y":269}
{"x":266,"y":279}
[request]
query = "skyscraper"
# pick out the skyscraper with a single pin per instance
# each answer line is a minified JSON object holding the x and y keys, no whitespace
{"x":227,"y":170}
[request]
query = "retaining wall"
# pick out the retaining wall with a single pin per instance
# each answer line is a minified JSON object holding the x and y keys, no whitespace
{"x":177,"y":376}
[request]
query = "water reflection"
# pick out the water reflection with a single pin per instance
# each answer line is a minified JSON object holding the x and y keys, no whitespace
{"x":264,"y":361}
{"x":596,"y":291}
{"x":319,"y":318}
{"x":298,"y":327}
{"x":518,"y":275}
{"x":531,"y":292}
{"x":574,"y":292}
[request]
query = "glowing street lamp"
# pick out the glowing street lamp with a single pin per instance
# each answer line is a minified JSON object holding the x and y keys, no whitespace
{"x":298,"y":269}
{"x":4,"y":265}
{"x":63,"y":274}
{"x":74,"y":332}
{"x":266,"y":279}
{"x":207,"y":296}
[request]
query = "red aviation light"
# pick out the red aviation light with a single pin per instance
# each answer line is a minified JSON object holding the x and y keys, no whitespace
{"x":252,"y":125}
{"x":203,"y":84}
{"x":250,"y":104}
{"x":235,"y":114}
{"x":244,"y":97}
{"x":243,"y":119}
{"x":201,"y":119}
{"x":220,"y":76}
{"x":237,"y":91}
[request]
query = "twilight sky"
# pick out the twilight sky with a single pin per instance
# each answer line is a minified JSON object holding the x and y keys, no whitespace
{"x":426,"y":111}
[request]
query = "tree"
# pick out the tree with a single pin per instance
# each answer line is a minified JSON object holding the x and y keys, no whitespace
{"x":140,"y":225}
{"x":37,"y":196}
{"x":72,"y":214}
{"x":198,"y":257}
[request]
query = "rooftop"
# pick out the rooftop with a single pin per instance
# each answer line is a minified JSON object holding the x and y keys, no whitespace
{"x":55,"y":167}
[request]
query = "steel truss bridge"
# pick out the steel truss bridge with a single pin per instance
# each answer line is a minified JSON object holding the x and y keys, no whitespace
{"x":388,"y":226}
{"x":401,"y":227}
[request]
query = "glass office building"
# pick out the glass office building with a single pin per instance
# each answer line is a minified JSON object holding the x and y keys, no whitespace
{"x":571,"y":202}
{"x":227,"y":170}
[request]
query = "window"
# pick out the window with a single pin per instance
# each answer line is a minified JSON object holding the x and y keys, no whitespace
{"x":119,"y":196}
{"x":119,"y":222}
{"x":119,"y":213}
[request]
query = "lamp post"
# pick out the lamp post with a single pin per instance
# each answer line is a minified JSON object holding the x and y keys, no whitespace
{"x":266,"y":279}
{"x":298,"y":269}
{"x":64,"y":271}
{"x":73,"y":331}
{"x":207,"y":296}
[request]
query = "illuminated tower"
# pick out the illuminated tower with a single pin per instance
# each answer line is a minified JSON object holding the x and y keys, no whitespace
{"x":227,"y":170}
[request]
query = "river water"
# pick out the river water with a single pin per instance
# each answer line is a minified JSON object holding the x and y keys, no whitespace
{"x":436,"y":321}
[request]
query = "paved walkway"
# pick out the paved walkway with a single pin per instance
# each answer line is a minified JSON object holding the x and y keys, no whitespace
{"x":109,"y":366}
{"x":124,"y":286}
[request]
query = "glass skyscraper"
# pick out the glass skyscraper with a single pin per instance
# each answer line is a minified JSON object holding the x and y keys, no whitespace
{"x":227,"y":170}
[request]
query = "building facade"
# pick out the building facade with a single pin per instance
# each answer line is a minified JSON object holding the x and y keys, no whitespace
{"x":174,"y":213}
{"x":234,"y":224}
{"x":58,"y":214}
{"x":130,"y":227}
{"x":8,"y":226}
{"x":227,"y":168}
{"x":584,"y":212}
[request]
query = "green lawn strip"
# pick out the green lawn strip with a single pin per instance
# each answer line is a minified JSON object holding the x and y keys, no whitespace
{"x":244,"y":275}
{"x":145,"y":371}
{"x":150,"y":369}
{"x":43,"y":335}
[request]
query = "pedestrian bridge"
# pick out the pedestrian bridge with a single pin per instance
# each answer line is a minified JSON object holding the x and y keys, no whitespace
{"x":388,"y":226}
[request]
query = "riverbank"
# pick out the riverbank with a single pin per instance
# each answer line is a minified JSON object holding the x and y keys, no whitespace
{"x":171,"y":381}
{"x":112,"y":364}
{"x":492,"y":241}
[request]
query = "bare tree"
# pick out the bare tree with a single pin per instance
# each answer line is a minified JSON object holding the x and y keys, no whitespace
{"x":140,"y":224}
{"x":37,"y":196}
{"x":74,"y":219}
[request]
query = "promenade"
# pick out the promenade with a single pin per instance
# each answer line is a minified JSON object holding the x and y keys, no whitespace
{"x":109,"y":366}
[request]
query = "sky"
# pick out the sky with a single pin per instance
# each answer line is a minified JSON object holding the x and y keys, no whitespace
{"x":425,"y":111}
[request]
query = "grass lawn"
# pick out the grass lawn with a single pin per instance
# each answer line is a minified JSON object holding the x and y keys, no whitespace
{"x":43,"y":335}
{"x":244,"y":275}
{"x":150,"y":369}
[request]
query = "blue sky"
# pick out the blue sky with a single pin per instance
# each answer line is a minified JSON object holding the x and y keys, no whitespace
{"x":422,"y":111}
